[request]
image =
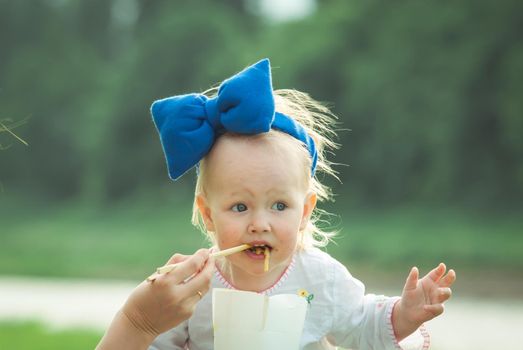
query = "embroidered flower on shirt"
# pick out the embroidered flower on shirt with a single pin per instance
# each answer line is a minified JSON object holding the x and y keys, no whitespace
{"x":304,"y":294}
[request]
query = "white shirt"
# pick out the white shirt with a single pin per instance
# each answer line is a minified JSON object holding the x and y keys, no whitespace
{"x":340,"y":314}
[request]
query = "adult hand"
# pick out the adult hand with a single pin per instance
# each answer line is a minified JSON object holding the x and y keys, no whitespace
{"x":157,"y":306}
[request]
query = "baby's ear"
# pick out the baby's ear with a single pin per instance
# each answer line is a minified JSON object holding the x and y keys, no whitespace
{"x":308,"y":206}
{"x":205,"y":212}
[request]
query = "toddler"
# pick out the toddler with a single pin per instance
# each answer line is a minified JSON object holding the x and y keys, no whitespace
{"x":257,"y":153}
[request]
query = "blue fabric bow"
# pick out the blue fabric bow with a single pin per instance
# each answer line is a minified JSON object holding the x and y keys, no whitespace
{"x":189,"y":124}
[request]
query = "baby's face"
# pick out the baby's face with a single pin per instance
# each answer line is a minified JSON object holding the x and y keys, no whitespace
{"x":257,"y":195}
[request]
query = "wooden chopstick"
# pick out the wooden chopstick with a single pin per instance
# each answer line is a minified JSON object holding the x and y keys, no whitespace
{"x":167,"y":268}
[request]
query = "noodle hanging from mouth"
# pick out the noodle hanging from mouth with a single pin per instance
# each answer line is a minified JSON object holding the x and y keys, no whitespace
{"x":267,"y":254}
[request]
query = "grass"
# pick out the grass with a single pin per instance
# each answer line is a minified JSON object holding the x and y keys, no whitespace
{"x":424,"y":236}
{"x":31,"y":335}
{"x":128,"y":240}
{"x":79,"y":241}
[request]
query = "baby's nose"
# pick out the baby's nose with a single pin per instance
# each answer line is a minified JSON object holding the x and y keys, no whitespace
{"x":259,"y":224}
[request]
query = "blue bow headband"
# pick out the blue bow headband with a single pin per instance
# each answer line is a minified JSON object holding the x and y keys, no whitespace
{"x":189,"y":124}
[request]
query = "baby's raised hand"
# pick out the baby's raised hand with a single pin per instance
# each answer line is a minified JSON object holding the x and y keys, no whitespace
{"x":422,"y":299}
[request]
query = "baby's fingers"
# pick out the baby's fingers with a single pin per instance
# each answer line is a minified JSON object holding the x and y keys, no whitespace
{"x":441,"y":295}
{"x":437,"y":272}
{"x":412,"y":279}
{"x":434,"y":309}
{"x":448,"y":279}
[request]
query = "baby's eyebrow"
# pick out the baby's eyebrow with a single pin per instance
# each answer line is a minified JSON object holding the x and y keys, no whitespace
{"x":277,"y":191}
{"x":241,"y":192}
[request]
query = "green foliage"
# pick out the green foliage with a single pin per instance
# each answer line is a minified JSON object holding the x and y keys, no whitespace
{"x":129,"y":240}
{"x":399,"y":237}
{"x":430,"y":90}
{"x":431,"y":93}
{"x":31,"y":335}
{"x":424,"y":88}
{"x":77,"y":240}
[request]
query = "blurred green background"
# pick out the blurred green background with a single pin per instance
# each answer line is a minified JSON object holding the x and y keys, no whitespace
{"x":429,"y":97}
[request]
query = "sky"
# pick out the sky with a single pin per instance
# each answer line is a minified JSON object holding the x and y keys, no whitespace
{"x":286,"y":10}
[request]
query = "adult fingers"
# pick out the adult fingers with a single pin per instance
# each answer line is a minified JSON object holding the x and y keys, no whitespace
{"x":190,"y":266}
{"x":189,"y":303}
{"x":177,"y":258}
{"x":194,"y":290}
{"x":200,"y":284}
{"x":173,"y":260}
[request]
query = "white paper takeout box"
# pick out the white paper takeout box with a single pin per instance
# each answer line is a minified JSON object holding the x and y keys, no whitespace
{"x":247,"y":320}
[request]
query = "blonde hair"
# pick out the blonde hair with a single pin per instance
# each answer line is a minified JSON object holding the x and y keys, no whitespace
{"x":318,"y":121}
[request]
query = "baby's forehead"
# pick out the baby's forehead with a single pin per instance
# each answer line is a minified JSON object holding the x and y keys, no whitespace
{"x":264,"y":151}
{"x":255,"y":158}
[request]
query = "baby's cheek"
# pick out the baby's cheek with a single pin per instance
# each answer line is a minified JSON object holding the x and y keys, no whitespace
{"x":289,"y":239}
{"x":228,"y":236}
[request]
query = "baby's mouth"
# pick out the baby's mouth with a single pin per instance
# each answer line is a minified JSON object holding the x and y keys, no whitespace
{"x":259,"y":249}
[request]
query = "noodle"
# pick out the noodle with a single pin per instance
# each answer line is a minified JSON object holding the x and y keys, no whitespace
{"x":267,"y":254}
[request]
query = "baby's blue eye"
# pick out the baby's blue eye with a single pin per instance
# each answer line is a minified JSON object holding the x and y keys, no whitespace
{"x":239,"y":207}
{"x":279,"y":206}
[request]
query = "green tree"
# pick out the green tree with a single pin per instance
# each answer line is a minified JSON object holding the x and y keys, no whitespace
{"x":427,"y":89}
